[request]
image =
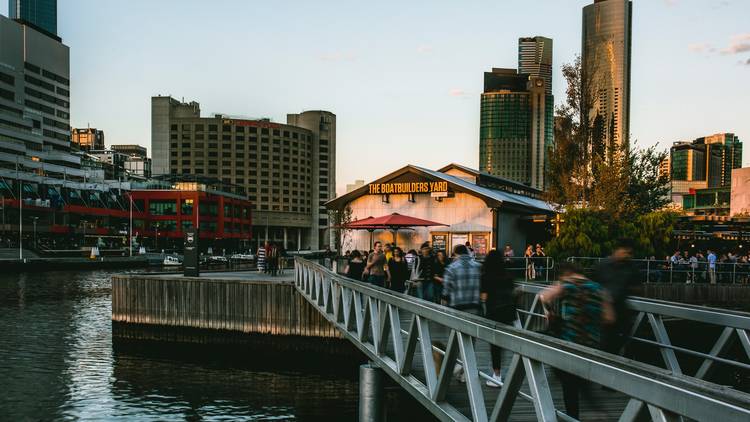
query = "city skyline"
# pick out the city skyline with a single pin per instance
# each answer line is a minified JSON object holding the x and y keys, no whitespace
{"x":416,"y":74}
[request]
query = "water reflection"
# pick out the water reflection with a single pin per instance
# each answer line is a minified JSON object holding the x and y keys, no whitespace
{"x":57,"y":361}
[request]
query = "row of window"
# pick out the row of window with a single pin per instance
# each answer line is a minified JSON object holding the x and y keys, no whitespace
{"x":240,"y":129}
{"x":46,"y":73}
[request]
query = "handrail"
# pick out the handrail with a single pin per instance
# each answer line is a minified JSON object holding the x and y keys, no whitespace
{"x":734,"y":326}
{"x":370,"y":317}
{"x":737,"y":272}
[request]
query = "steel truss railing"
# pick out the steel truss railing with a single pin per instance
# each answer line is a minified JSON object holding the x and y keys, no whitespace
{"x":370,"y":317}
{"x":733,"y":325}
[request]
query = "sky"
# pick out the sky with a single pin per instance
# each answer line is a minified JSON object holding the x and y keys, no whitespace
{"x":403,"y":78}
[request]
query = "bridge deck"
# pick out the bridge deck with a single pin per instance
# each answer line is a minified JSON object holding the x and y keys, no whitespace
{"x":596,"y":403}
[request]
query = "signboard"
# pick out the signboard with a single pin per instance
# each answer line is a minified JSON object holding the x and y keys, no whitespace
{"x":439,"y":242}
{"x":407,"y":187}
{"x":459,"y":239}
{"x":479,"y":243}
{"x":191,"y":263}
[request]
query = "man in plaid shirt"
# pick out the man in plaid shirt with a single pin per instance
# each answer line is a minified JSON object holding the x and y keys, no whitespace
{"x":461,"y":282}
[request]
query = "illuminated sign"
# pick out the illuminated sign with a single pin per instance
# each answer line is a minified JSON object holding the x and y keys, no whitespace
{"x":407,"y":187}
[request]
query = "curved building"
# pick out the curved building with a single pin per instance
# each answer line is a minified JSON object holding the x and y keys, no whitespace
{"x":286,"y":170}
{"x":605,"y":66}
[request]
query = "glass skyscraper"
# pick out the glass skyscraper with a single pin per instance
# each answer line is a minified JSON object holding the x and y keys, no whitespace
{"x":39,"y":13}
{"x":516,"y":126}
{"x":535,"y":59}
{"x":605,"y":66}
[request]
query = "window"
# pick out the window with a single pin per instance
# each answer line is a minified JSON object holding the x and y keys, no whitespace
{"x":187,"y":206}
{"x":208,"y":208}
{"x":212,"y":128}
{"x":162,"y":207}
{"x":187,"y":224}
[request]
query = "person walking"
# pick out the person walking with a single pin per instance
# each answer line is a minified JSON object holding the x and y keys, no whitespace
{"x":272,"y":258}
{"x":620,"y":279}
{"x":585,"y":307}
{"x":397,"y":271}
{"x":496,"y":293}
{"x":441,"y":261}
{"x":375,"y":267}
{"x":355,"y":267}
{"x":261,"y":259}
{"x":461,"y":285}
{"x":426,"y":288}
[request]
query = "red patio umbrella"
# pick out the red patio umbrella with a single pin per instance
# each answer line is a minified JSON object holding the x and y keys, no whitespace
{"x":392,"y":222}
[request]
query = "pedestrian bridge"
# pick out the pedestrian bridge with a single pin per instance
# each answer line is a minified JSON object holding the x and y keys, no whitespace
{"x":418,"y":343}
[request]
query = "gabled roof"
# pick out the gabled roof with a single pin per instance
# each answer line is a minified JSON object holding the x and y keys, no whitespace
{"x":494,"y":198}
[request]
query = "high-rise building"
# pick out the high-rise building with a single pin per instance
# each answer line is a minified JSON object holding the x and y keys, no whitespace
{"x":706,"y":162}
{"x":605,"y":67}
{"x":41,"y":14}
{"x":535,"y":59}
{"x":516,"y":126}
{"x":286,"y":170}
{"x":87,"y":139}
{"x":34,"y":103}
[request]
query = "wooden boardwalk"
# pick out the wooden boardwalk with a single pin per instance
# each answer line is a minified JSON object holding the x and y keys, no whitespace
{"x":596,"y":404}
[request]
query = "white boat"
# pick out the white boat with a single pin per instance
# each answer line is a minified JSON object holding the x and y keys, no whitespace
{"x":217,"y":258}
{"x":242,"y":257}
{"x":172,"y":261}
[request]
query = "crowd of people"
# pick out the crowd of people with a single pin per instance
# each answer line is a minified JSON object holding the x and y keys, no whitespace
{"x":707,"y":266}
{"x":592,"y":311}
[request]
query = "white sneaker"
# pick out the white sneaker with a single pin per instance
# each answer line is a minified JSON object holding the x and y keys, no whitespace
{"x":495,"y":382}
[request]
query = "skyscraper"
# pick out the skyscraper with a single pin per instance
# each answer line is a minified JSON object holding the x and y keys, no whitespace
{"x":516,"y":126}
{"x":41,"y":14}
{"x":605,"y":66}
{"x":535,"y":59}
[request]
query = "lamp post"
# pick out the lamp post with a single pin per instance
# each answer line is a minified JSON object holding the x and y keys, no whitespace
{"x":157,"y":237}
{"x":83,"y":240}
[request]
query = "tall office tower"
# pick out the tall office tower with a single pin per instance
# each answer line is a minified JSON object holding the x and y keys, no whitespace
{"x":605,"y":66}
{"x":88,"y":139}
{"x":516,"y":126}
{"x":41,"y":14}
{"x":286,"y":170}
{"x":535,"y":59}
{"x":34,"y":102}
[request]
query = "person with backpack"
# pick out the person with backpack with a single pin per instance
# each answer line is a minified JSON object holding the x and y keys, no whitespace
{"x":585,"y":307}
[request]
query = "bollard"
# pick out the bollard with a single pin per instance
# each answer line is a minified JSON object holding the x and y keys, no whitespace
{"x":370,"y":393}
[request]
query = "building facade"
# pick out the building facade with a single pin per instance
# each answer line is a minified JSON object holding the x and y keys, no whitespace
{"x":605,"y":67}
{"x":516,"y":130}
{"x":41,"y":14}
{"x":472,"y":206}
{"x":287,"y":170}
{"x":35,"y":107}
{"x":535,"y":59}
{"x":703,"y":163}
{"x":87,"y":139}
{"x":137,"y":162}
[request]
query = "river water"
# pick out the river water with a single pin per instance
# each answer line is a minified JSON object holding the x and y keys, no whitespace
{"x":58,"y":362}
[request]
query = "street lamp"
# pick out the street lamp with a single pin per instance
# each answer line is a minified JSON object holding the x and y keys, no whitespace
{"x":157,"y":237}
{"x":83,"y":241}
{"x":33,"y":220}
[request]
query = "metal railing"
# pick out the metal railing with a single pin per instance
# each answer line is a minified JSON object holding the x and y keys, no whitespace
{"x":665,"y":271}
{"x":649,"y":315}
{"x":370,"y":317}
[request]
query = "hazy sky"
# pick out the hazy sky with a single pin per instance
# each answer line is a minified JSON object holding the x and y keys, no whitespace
{"x":403,"y":78}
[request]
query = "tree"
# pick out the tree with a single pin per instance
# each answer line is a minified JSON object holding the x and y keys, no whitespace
{"x":648,"y":190}
{"x":341,"y":218}
{"x":584,"y":172}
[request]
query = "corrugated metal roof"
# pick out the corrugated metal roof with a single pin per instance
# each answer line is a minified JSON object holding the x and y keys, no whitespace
{"x":497,"y":195}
